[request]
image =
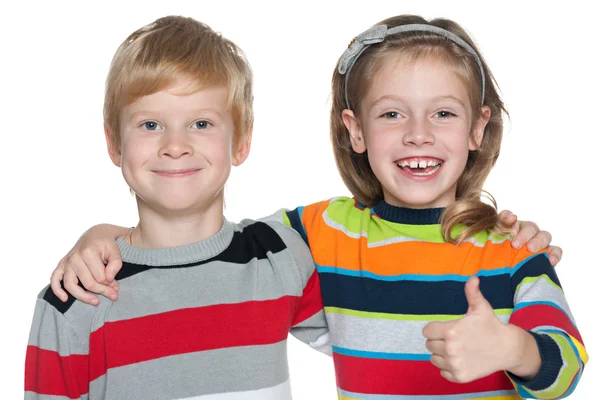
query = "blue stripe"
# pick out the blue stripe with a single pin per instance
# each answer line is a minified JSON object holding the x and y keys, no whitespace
{"x":378,"y":355}
{"x":410,"y":297}
{"x":411,"y":277}
{"x":295,"y":217}
{"x":523,"y":262}
{"x":461,"y":396}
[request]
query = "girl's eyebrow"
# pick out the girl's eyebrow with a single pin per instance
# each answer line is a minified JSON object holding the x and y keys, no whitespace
{"x":449,"y":97}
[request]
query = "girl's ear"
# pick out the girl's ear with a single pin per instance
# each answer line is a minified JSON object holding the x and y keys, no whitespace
{"x":478,"y":128}
{"x":357,"y":138}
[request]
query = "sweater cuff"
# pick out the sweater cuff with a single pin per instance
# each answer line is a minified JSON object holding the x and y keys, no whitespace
{"x":551,"y":364}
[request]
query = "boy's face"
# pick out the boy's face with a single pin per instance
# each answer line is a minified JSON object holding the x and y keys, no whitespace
{"x":176,"y":149}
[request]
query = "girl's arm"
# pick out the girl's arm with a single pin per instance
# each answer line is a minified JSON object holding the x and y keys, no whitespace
{"x":542,"y":311}
{"x":95,"y":259}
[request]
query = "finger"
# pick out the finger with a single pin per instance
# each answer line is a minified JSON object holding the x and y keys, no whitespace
{"x":96,"y":267}
{"x":114,"y":285}
{"x":88,"y":281}
{"x":555,"y":255}
{"x":507,"y":219}
{"x":435,"y":330}
{"x":55,"y":280}
{"x":76,"y":291}
{"x":448,"y":375}
{"x":526,"y":231}
{"x":540,"y":241}
{"x":475,"y":298}
{"x":437,"y":347}
{"x":439,"y":362}
{"x":112,"y":258}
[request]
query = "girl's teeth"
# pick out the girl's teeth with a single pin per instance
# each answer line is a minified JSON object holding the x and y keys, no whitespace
{"x":422,"y":164}
{"x":414,"y":164}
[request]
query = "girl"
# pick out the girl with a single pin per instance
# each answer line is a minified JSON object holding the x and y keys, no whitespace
{"x":423,"y":296}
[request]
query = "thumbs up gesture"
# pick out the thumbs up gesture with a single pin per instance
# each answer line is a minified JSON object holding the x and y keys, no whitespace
{"x":473,"y":346}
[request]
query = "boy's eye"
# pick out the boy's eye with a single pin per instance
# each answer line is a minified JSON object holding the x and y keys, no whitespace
{"x":391,"y":114}
{"x":150,"y":125}
{"x":201,"y":124}
{"x":444,"y":114}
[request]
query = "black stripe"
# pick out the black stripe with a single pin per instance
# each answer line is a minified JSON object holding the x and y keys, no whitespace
{"x":57,"y":303}
{"x":253,"y":242}
{"x":296,"y":223}
{"x":536,"y":266}
{"x":410,"y":297}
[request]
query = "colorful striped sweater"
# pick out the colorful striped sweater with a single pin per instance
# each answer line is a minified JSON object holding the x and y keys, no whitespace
{"x":204,"y":321}
{"x":386,"y":272}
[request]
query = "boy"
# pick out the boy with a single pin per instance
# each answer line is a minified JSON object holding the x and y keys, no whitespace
{"x":205,"y":305}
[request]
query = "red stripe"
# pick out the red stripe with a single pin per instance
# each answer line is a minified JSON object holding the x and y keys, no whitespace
{"x":536,"y":315}
{"x":400,"y":377}
{"x":46,"y":372}
{"x":190,"y":330}
{"x":312,"y":301}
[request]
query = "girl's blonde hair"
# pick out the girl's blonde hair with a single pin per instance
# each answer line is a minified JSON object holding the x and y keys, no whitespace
{"x":355,"y":169}
{"x":154,"y":57}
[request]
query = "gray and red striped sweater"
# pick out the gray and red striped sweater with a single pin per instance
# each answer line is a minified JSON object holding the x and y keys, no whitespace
{"x":208,"y":320}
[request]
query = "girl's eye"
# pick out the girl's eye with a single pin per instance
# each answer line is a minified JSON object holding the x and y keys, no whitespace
{"x":151,"y":125}
{"x":201,"y":124}
{"x":391,"y":115}
{"x":444,"y":114}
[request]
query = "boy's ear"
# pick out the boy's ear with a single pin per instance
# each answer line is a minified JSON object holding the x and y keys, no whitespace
{"x":241,"y":152}
{"x":357,"y":138}
{"x":113,"y":152}
{"x":478,"y":128}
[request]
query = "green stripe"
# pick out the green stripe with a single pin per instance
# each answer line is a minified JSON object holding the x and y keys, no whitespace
{"x":404,"y":317}
{"x":286,"y":219}
{"x":355,"y":221}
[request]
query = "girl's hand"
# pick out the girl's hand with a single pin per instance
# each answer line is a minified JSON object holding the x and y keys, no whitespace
{"x":527,"y":232}
{"x":94,"y":261}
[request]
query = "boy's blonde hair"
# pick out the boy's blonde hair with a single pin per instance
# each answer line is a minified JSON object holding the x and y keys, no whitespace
{"x":355,"y":169}
{"x":154,"y":57}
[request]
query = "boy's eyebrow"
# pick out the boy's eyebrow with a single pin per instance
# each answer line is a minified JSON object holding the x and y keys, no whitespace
{"x":137,"y":114}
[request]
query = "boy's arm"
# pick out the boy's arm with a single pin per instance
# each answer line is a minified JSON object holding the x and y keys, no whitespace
{"x":309,"y":324}
{"x":56,"y":363}
{"x":540,"y":308}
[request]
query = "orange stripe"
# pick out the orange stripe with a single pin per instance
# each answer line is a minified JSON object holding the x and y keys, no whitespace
{"x":407,"y":257}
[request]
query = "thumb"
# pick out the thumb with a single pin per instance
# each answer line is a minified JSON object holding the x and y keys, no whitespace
{"x":475,"y":298}
{"x":112,"y":259}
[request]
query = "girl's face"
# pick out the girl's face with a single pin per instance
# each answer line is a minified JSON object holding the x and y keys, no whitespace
{"x":415,"y":122}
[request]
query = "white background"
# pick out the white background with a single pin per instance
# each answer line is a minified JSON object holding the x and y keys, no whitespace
{"x":57,"y":179}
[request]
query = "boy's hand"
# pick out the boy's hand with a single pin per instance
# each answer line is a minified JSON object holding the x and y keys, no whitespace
{"x":94,"y":261}
{"x":473,"y":346}
{"x":528,"y":232}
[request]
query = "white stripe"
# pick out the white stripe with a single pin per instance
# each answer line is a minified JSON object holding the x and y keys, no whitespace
{"x":340,"y":227}
{"x":381,"y":335}
{"x":282,"y":391}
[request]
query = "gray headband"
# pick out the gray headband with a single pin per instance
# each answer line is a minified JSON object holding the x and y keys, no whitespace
{"x":378,"y":33}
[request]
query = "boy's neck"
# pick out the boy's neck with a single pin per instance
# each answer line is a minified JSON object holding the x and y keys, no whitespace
{"x":157,"y":230}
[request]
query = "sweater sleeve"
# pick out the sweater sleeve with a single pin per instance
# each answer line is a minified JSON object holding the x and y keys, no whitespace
{"x":540,"y":307}
{"x":56,"y":361}
{"x":309,"y":324}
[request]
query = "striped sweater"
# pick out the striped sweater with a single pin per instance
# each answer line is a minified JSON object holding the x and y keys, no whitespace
{"x":386,"y":272}
{"x":204,"y":321}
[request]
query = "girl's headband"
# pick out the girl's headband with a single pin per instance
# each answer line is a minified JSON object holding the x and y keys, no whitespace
{"x":378,"y":33}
